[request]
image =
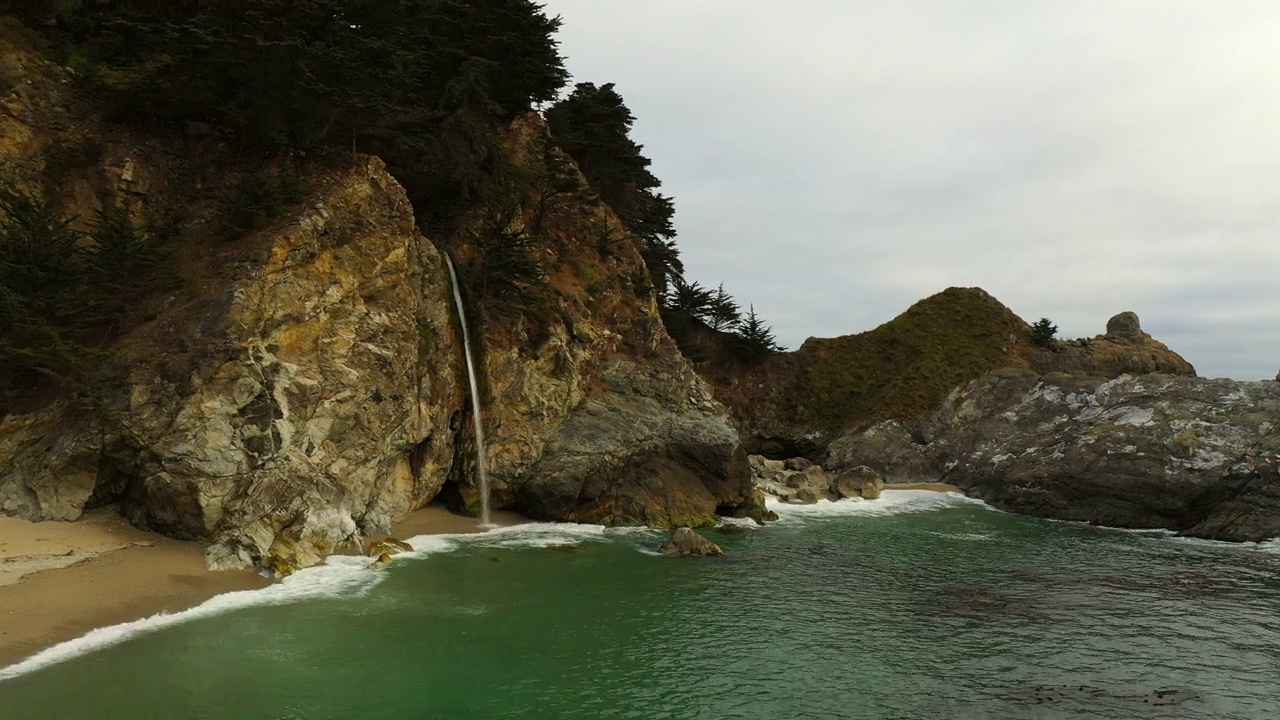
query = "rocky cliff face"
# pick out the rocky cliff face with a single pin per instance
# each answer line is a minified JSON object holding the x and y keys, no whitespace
{"x":310,"y":391}
{"x":1154,"y":451}
{"x":315,"y":398}
{"x":593,"y":414}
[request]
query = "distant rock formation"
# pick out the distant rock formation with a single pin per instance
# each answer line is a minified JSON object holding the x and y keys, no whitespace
{"x":795,"y":403}
{"x":1198,"y":456}
{"x":797,"y":480}
{"x":1124,"y":349}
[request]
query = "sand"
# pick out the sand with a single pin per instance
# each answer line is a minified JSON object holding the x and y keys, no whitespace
{"x":60,"y":580}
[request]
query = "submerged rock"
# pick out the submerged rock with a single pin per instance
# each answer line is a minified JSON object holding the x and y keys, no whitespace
{"x":684,"y":541}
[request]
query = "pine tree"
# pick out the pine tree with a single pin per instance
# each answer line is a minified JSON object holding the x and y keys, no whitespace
{"x":689,"y":299}
{"x":1043,"y":332}
{"x":755,"y":338}
{"x":593,"y":125}
{"x":723,"y":312}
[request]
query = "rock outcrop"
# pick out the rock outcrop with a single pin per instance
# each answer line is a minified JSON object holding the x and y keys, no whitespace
{"x":1124,"y":350}
{"x":1198,"y":456}
{"x":594,"y":415}
{"x":686,"y":542}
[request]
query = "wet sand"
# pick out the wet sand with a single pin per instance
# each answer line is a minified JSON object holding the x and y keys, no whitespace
{"x":60,"y":580}
{"x":437,"y":520}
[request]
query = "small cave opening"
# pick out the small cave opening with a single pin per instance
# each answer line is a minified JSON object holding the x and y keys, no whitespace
{"x":781,"y":448}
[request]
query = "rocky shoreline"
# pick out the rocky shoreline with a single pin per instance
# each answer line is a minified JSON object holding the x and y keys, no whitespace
{"x":1197,"y":456}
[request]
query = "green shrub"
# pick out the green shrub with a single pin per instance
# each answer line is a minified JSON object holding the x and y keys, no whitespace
{"x":1043,"y":332}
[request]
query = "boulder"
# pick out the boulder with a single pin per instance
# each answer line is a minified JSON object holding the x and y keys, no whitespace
{"x":805,"y":496}
{"x":1123,"y":325}
{"x":797,"y":464}
{"x":684,"y":541}
{"x":805,"y":485}
{"x":389,"y":546}
{"x":861,"y":482}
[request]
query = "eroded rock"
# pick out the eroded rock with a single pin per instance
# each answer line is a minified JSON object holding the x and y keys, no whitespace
{"x":389,"y":546}
{"x":684,"y":541}
{"x":860,"y":481}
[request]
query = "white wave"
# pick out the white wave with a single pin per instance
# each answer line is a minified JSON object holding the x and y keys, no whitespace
{"x":977,"y":537}
{"x":889,"y":503}
{"x":338,"y":576}
{"x":1268,"y":546}
{"x":744,"y":523}
{"x":524,"y":535}
{"x":1149,"y":532}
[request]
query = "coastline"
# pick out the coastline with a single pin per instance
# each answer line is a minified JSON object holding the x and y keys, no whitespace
{"x":60,"y":580}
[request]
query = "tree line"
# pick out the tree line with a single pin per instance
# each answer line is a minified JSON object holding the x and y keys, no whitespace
{"x":593,"y":125}
{"x":428,"y":85}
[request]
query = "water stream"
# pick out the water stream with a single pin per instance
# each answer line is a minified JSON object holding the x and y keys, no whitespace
{"x":481,"y":467}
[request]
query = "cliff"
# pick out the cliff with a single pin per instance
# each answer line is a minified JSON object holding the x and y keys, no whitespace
{"x":300,"y":384}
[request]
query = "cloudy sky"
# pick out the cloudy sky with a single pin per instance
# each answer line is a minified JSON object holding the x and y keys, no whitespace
{"x":834,"y":161}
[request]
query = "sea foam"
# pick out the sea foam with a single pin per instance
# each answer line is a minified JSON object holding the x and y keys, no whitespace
{"x":339,"y":575}
{"x":891,"y":502}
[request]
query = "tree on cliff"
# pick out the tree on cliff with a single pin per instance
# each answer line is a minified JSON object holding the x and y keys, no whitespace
{"x":723,"y":313}
{"x":593,"y":125}
{"x":1043,"y":332}
{"x":423,"y":83}
{"x":755,"y":338}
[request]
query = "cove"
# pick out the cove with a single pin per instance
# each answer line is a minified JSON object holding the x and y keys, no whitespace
{"x":916,"y":606}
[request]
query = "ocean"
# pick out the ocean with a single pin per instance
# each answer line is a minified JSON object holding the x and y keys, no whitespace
{"x":918,"y":605}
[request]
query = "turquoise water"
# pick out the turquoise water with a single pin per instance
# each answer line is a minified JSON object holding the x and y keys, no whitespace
{"x":920,"y":606}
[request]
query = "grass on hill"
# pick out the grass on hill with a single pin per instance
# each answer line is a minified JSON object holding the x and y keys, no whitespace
{"x":907,"y":366}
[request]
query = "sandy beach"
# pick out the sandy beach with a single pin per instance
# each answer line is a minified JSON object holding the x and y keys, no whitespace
{"x":60,"y":580}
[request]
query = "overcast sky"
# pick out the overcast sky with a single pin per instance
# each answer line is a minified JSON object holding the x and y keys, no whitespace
{"x":833,"y":161}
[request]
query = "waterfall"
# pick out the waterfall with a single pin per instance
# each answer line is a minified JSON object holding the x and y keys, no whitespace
{"x":475,"y":394}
